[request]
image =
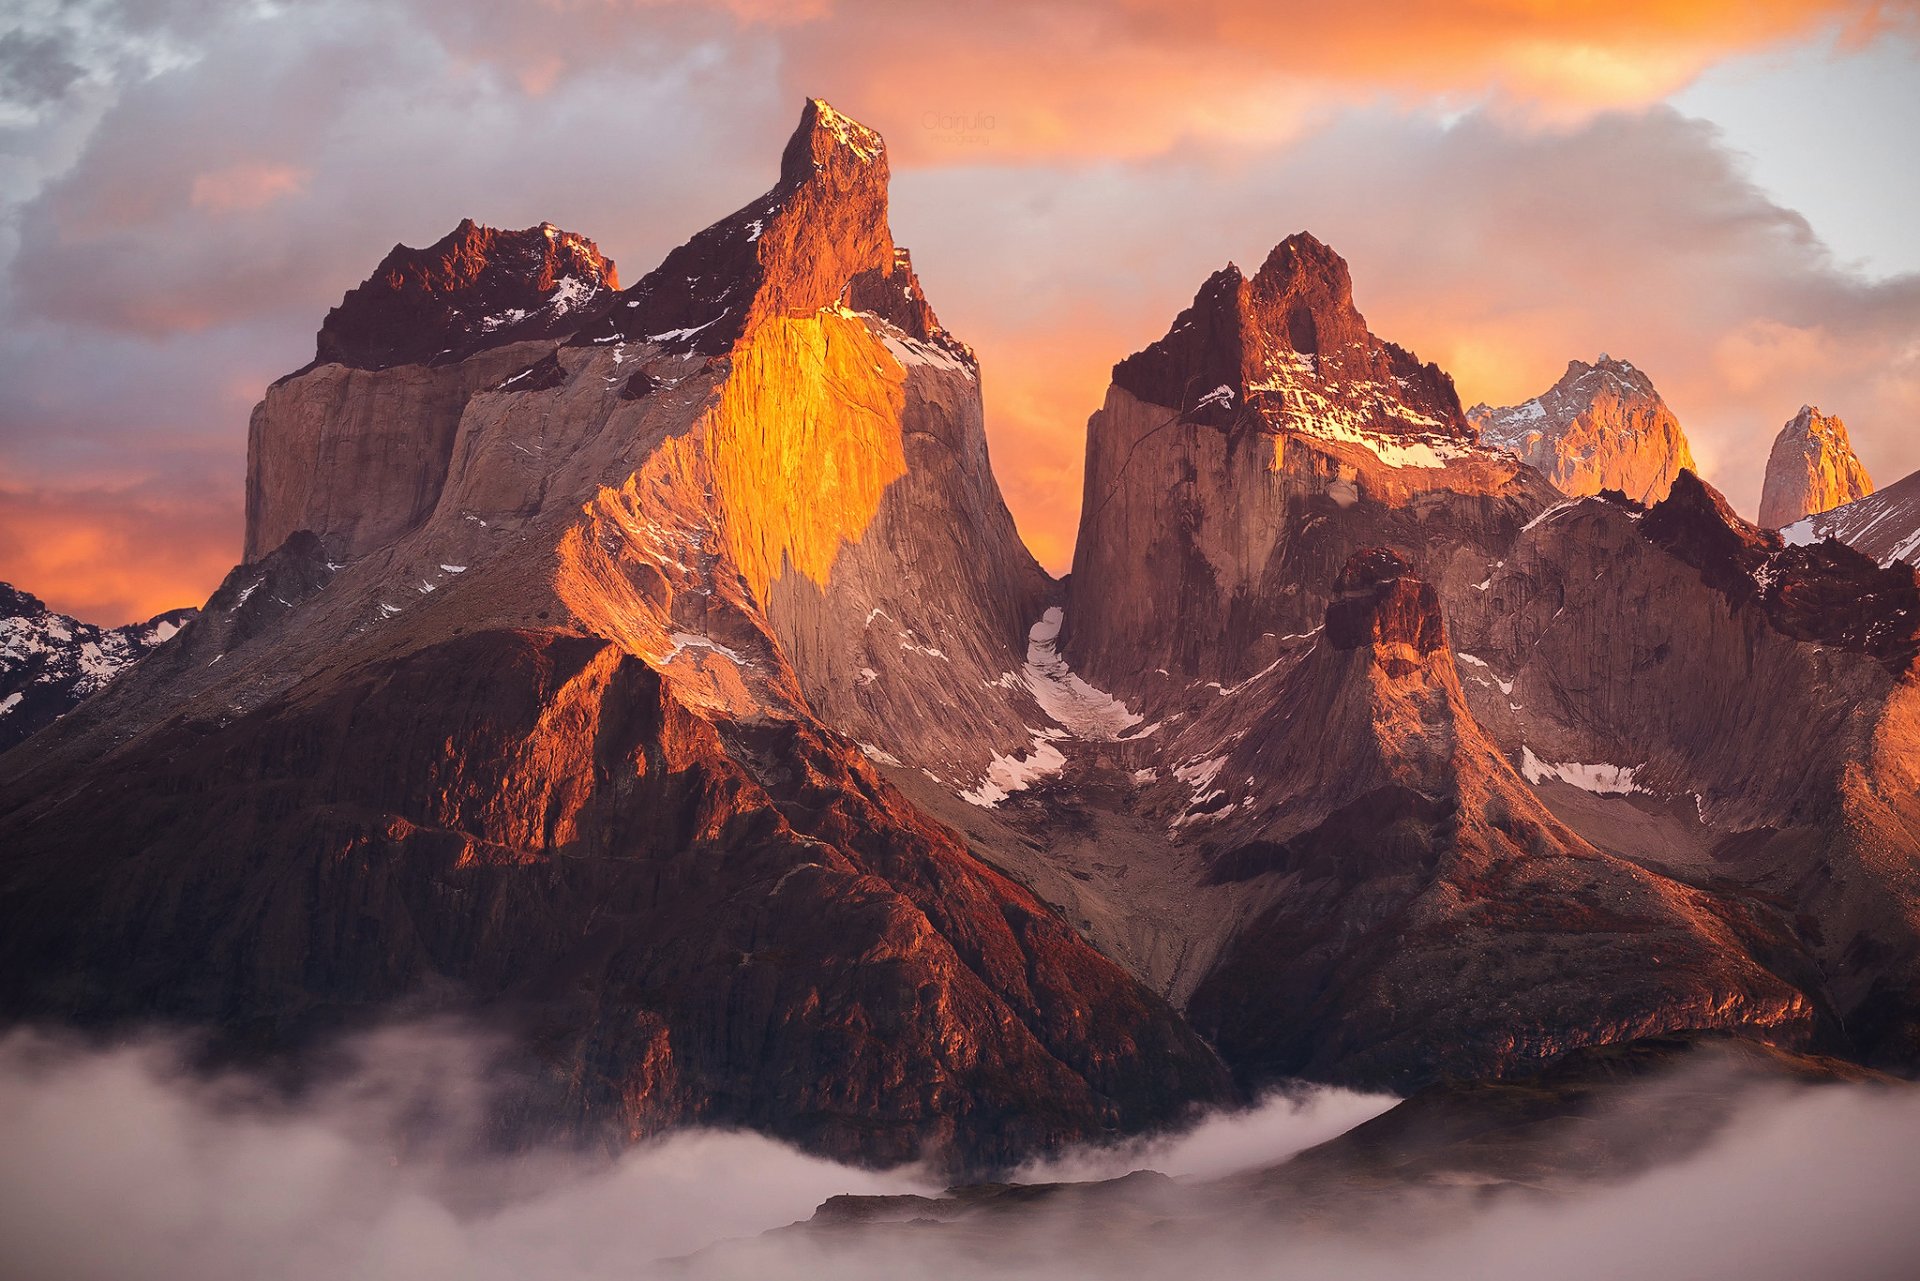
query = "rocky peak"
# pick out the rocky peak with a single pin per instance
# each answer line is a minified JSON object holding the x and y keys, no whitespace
{"x":819,"y":239}
{"x":1377,"y":601}
{"x":1812,"y":469}
{"x":1602,"y":426}
{"x":1289,"y":345}
{"x":475,"y":287}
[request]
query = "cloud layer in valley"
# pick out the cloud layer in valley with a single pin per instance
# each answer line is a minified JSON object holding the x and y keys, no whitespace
{"x":120,"y":1162}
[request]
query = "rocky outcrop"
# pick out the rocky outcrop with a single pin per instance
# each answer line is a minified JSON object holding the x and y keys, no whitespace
{"x":355,"y":446}
{"x":1884,"y":525}
{"x":1290,"y":346}
{"x":1602,"y":426}
{"x":1811,"y":469}
{"x":50,"y":662}
{"x":536,"y":819}
{"x":1239,"y":462}
{"x":818,"y":240}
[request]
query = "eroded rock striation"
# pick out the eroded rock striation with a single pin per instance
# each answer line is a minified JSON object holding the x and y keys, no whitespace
{"x":1602,"y":426}
{"x":1811,"y":469}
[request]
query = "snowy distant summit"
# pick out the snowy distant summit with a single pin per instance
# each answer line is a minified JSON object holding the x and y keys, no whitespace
{"x":1602,"y":426}
{"x":49,"y":662}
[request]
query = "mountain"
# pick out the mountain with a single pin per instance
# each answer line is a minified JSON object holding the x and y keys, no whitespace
{"x":1688,"y":691}
{"x":662,"y":680}
{"x":356,"y":446}
{"x":1885,"y":524}
{"x":556,"y":715}
{"x":1602,"y":426}
{"x":49,"y":662}
{"x":1811,"y":469}
{"x":1240,"y":461}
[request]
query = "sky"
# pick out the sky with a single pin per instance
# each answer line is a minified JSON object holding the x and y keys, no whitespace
{"x":1722,"y":193}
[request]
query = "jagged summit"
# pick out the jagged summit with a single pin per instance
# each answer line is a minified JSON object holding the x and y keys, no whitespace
{"x":1601,"y":426}
{"x":1824,"y":592}
{"x":823,"y":137}
{"x":1811,"y":469}
{"x":475,"y":287}
{"x":819,"y":239}
{"x":1290,"y":345}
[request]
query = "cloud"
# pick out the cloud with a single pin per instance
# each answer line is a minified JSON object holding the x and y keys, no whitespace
{"x":123,"y":1162}
{"x":1067,"y":79}
{"x":1220,"y":1143}
{"x":247,"y":186}
{"x":118,"y":553}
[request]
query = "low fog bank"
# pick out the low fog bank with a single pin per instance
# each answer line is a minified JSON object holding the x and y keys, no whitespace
{"x":120,"y":1162}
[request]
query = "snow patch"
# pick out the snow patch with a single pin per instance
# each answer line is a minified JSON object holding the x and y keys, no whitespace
{"x":1085,"y":712}
{"x":1601,"y":780}
{"x":1010,"y":774}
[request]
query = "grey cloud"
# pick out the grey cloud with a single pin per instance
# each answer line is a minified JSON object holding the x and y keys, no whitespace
{"x":34,"y":69}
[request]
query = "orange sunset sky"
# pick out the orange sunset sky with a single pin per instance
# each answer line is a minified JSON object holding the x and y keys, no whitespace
{"x":1722,"y":193}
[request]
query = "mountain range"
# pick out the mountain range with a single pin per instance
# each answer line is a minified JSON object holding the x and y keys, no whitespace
{"x":657,"y":672}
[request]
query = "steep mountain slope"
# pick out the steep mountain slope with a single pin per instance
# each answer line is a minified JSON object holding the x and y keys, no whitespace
{"x":566,"y":728}
{"x":1811,"y":469}
{"x":1238,"y":462}
{"x":1687,"y":690}
{"x":49,"y":662}
{"x":1602,"y":426}
{"x":1885,"y":524}
{"x":1423,"y":911}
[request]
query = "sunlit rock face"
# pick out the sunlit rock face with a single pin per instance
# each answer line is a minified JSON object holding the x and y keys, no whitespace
{"x":1812,"y":469}
{"x":1238,"y":462}
{"x":561,"y":695}
{"x":1602,"y":426}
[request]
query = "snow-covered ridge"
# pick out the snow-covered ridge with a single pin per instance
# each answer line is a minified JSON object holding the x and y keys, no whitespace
{"x":49,"y":661}
{"x":1884,"y":525}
